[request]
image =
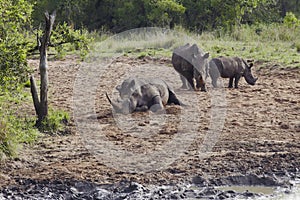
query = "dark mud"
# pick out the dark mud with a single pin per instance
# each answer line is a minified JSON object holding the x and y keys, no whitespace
{"x":199,"y":188}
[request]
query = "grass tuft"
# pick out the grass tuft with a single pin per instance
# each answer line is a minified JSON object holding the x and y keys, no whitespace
{"x":55,"y":122}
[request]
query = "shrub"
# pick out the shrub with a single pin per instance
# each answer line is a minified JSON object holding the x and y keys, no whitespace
{"x":291,"y":20}
{"x":15,"y":17}
{"x":64,"y":38}
{"x":15,"y":129}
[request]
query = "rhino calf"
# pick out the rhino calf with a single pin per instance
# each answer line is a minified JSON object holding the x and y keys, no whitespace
{"x":233,"y":68}
{"x":143,"y":94}
{"x":189,"y":61}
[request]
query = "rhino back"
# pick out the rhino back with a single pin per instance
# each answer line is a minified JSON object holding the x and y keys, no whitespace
{"x":181,"y":62}
{"x":228,"y":67}
{"x":150,"y":91}
{"x":182,"y":57}
{"x":241,"y":65}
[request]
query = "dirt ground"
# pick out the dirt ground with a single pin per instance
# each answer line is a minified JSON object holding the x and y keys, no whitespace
{"x":261,"y":132}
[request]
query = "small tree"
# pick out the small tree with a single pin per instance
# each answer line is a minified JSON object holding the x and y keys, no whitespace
{"x":41,"y":105}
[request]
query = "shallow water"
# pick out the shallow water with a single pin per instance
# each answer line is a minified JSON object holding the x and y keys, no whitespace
{"x":264,"y":190}
{"x":268,"y":193}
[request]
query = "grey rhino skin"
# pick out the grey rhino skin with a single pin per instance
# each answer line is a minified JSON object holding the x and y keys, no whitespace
{"x":230,"y":67}
{"x":144,"y":94}
{"x":189,"y":61}
{"x":132,"y":84}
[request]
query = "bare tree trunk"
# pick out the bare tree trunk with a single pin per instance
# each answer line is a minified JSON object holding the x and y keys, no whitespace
{"x":283,"y":8}
{"x":34,"y":94}
{"x":41,"y":106}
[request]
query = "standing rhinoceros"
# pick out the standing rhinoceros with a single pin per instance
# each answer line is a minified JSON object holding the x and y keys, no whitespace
{"x":143,"y":94}
{"x":189,"y":61}
{"x":232,"y":68}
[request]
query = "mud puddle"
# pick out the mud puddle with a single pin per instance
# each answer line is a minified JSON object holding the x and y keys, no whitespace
{"x":199,"y":188}
{"x":289,"y":191}
{"x":264,"y":190}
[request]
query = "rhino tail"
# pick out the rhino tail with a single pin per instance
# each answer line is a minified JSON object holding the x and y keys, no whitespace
{"x":173,"y":99}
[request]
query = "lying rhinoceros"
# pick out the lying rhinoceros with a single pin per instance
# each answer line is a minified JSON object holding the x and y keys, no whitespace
{"x":189,"y":61}
{"x":143,"y":94}
{"x":232,"y":68}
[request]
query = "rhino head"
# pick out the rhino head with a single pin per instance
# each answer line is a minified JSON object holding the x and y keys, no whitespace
{"x":127,"y":88}
{"x":199,"y":62}
{"x":125,"y":106}
{"x":248,"y":74}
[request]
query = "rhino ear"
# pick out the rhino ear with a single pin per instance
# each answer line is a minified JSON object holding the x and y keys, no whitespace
{"x":118,"y":87}
{"x":250,"y":65}
{"x":206,"y":56}
{"x":132,"y":84}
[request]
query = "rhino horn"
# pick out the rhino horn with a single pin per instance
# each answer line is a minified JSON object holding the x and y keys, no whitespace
{"x":115,"y":105}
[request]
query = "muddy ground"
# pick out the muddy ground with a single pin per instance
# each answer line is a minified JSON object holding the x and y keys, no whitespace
{"x":260,"y":136}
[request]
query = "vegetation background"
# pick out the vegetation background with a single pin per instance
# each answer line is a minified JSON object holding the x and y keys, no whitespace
{"x":265,"y":30}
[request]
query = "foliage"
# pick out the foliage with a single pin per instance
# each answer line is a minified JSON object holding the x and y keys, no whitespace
{"x":218,"y":14}
{"x":15,"y":129}
{"x":69,"y":11}
{"x":128,"y":14}
{"x":163,"y":13}
{"x":78,"y":40}
{"x":291,"y":20}
{"x":199,"y":16}
{"x":14,"y":20}
{"x":114,"y":15}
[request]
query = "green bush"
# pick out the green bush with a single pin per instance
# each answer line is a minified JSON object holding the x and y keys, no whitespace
{"x":15,"y":18}
{"x":65,"y":39}
{"x":15,"y":129}
{"x":291,"y":20}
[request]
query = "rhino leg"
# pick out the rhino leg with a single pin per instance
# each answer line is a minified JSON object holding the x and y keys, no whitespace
{"x":157,"y":104}
{"x":141,"y":108}
{"x":230,"y":83}
{"x":214,"y":72}
{"x":185,"y":84}
{"x":190,"y":78}
{"x":214,"y":82}
{"x":173,"y":99}
{"x":236,"y":81}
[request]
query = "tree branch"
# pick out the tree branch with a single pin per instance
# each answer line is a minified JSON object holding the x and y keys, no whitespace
{"x":34,"y":94}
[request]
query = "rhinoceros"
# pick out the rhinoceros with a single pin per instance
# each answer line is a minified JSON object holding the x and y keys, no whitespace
{"x":189,"y":61}
{"x":143,"y":94}
{"x":232,"y":68}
